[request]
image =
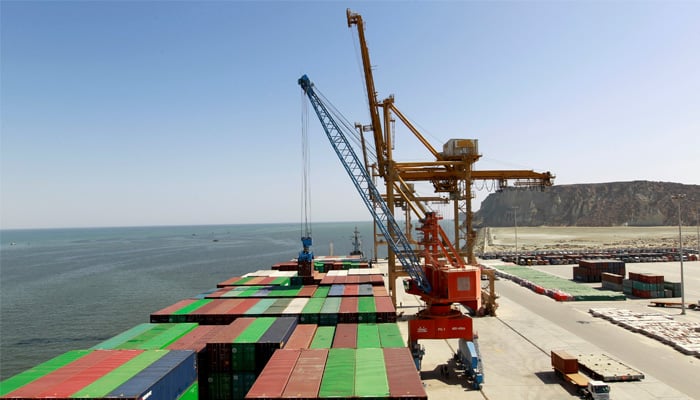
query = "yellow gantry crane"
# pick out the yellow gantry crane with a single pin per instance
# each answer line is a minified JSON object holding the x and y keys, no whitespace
{"x":450,"y":171}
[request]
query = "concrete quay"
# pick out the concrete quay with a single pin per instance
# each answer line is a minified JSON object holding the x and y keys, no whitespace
{"x":515,"y":346}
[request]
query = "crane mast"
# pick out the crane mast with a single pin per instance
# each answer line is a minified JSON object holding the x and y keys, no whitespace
{"x":356,"y":19}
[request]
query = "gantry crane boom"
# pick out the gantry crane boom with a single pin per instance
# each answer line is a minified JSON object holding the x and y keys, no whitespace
{"x":356,"y":19}
{"x":451,"y":173}
{"x":364,"y":185}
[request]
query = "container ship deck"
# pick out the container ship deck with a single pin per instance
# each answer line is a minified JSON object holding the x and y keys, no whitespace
{"x":269,"y":334}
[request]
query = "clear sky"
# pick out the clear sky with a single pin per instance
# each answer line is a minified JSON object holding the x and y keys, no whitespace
{"x":170,"y":113}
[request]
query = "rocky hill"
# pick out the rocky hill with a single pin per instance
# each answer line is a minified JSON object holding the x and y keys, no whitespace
{"x":638,"y":203}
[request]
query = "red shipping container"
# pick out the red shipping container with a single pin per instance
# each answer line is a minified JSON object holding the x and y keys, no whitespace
{"x":218,"y":293}
{"x":380,"y":291}
{"x":302,"y":337}
{"x":305,"y":380}
{"x":351,"y":290}
{"x":274,"y":377}
{"x":564,"y":362}
{"x":172,"y":308}
{"x":384,"y":305}
{"x":243,"y":306}
{"x":348,"y":311}
{"x":220,"y":346}
{"x":402,"y":375}
{"x":210,"y":307}
{"x":345,"y":336}
{"x":196,"y":339}
{"x":229,"y":282}
{"x":307,"y":291}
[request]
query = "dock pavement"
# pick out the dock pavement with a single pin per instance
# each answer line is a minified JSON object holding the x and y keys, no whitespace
{"x":515,"y":347}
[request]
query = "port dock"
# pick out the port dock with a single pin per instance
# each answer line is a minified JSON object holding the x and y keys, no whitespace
{"x":515,"y":346}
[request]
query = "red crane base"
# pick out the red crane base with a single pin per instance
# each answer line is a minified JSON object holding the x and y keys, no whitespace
{"x":453,"y":325}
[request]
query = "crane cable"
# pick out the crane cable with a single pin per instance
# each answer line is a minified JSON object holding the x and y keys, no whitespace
{"x":306,"y":168}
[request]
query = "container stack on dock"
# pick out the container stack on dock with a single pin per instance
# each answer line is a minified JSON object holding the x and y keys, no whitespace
{"x":265,"y":335}
{"x":612,"y":281}
{"x":647,"y":286}
{"x":592,"y":270}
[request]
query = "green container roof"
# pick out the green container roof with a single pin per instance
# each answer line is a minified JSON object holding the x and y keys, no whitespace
{"x":390,"y":335}
{"x":260,"y":307}
{"x":368,"y":336}
{"x":313,"y":306}
{"x":123,"y":337}
{"x":323,"y":338}
{"x":156,"y":336}
{"x":322,"y":291}
{"x":331,"y":305}
{"x":115,"y":378}
{"x":365,"y":304}
{"x":255,"y":330}
{"x":193,"y":306}
{"x":370,"y":378}
{"x":552,"y":282}
{"x":339,"y":375}
{"x":192,"y":393}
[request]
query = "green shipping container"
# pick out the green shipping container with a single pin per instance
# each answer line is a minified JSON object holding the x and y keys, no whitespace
{"x":329,"y":311}
{"x":390,"y":335}
{"x":124,"y":337}
{"x":220,"y":386}
{"x":309,"y":315}
{"x":322,"y":291}
{"x":115,"y":378}
{"x":339,"y":376}
{"x":323,"y":338}
{"x":181,"y":314}
{"x":241,"y":382}
{"x":368,"y":336}
{"x":192,"y":393}
{"x":260,"y":307}
{"x":277,"y":308}
{"x":367,"y":309}
{"x":281,"y":281}
{"x":148,"y":337}
{"x":243,"y":348}
{"x":370,"y":378}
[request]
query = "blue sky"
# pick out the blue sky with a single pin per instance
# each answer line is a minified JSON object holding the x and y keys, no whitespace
{"x":174,"y":113}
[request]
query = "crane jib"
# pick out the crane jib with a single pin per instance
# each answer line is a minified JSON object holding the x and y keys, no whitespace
{"x":368,"y":191}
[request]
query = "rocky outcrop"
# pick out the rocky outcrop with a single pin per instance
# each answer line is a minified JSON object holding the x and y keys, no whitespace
{"x":638,"y":203}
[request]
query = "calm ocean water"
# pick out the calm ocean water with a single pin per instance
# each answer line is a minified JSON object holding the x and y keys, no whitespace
{"x":67,"y":289}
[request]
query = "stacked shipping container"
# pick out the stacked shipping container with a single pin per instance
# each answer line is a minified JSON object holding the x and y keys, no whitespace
{"x":218,"y":344}
{"x":591,"y":270}
{"x":647,"y":286}
{"x":126,"y":374}
{"x":344,"y":373}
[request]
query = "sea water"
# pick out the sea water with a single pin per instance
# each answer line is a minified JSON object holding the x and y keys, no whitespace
{"x":69,"y":289}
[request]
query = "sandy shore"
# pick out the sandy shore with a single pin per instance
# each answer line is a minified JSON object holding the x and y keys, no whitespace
{"x":564,"y":238}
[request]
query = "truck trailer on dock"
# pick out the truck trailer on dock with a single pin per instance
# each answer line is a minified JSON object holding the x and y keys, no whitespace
{"x":566,"y":367}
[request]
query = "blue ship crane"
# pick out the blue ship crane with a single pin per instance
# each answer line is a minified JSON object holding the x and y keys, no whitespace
{"x":368,"y":191}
